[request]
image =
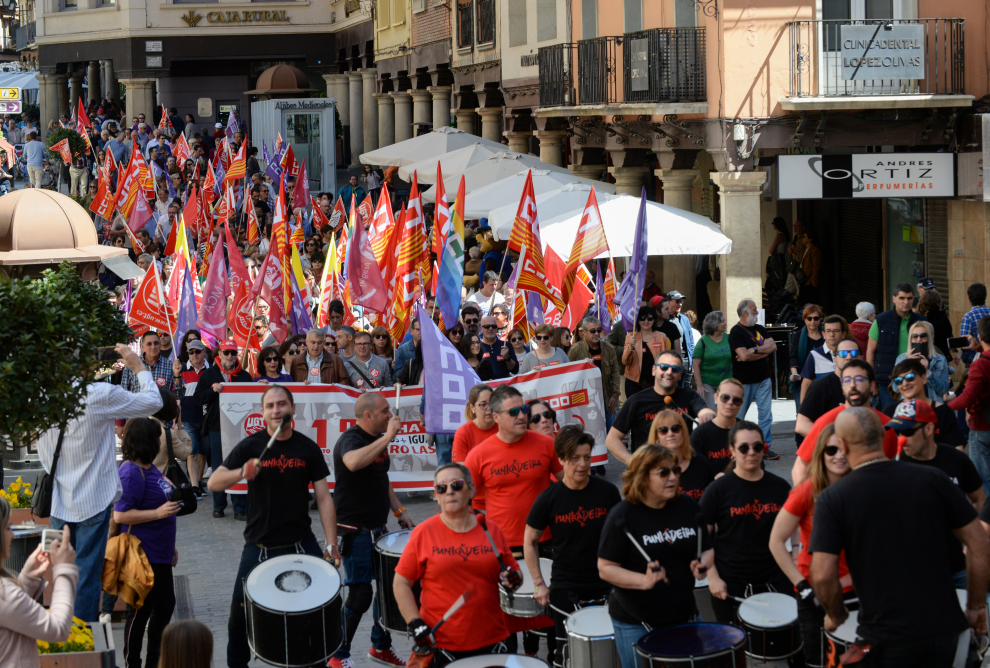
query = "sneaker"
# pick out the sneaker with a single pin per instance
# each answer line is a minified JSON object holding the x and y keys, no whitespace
{"x":770,"y":454}
{"x":386,"y":657}
{"x":334,"y":662}
{"x":240,"y":517}
{"x":198,"y":491}
{"x":217,"y":514}
{"x":208,"y":472}
{"x":104,"y":618}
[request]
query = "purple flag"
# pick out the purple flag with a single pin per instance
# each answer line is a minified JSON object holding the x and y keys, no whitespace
{"x":447,"y":379}
{"x":231,"y":125}
{"x":272,"y":169}
{"x":601,"y":308}
{"x":301,"y":322}
{"x":186,"y":301}
{"x":630,"y":293}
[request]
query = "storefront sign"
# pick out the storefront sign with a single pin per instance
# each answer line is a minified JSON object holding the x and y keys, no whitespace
{"x":883,"y":51}
{"x":315,"y":104}
{"x":969,"y":167}
{"x":869,"y":175}
{"x":192,"y":19}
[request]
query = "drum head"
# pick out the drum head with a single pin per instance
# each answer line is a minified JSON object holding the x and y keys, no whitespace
{"x":769,"y":610}
{"x":591,"y":622}
{"x":499,"y":661}
{"x":393,"y":543}
{"x":546,"y":565}
{"x":847,"y":630}
{"x":686,"y":640}
{"x":293,"y":583}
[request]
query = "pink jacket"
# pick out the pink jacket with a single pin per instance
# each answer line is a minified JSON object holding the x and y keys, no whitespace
{"x":23,"y":621}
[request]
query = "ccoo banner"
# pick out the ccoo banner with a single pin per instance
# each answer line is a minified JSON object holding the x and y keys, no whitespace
{"x":324,"y":412}
{"x":866,"y":175}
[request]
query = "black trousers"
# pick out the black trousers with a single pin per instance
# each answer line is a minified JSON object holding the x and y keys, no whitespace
{"x":443,"y":657}
{"x":156,"y":613}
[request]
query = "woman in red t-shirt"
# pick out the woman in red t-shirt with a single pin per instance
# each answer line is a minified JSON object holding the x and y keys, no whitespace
{"x":479,"y":426}
{"x":450,"y":555}
{"x":828,"y":465}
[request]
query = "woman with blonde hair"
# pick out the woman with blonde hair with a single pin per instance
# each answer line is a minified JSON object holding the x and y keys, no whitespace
{"x":670,"y":431}
{"x":921,"y":346}
{"x":659,"y":593}
{"x":544,"y":354}
{"x":479,"y":425}
{"x":828,"y":466}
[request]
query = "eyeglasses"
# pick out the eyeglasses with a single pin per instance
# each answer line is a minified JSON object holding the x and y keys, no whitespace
{"x":229,"y":353}
{"x":757,"y":447}
{"x":672,"y":428}
{"x":455,"y":486}
{"x":728,"y":398}
{"x":846,"y":380}
{"x":489,"y":326}
{"x":516,"y":339}
{"x":541,"y":337}
{"x":666,"y":471}
{"x":513,"y":412}
{"x":362,"y":343}
{"x":830,"y":450}
{"x":847,"y":353}
{"x":676,"y":368}
{"x":594,"y":331}
{"x":812,"y":318}
{"x":549,"y":414}
{"x":906,"y":378}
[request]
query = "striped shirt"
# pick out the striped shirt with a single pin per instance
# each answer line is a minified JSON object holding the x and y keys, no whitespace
{"x":970,"y":320}
{"x":86,"y":480}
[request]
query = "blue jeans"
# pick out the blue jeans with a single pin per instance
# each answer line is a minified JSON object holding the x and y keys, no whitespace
{"x":609,"y":420}
{"x":216,"y":461}
{"x":762,"y":394}
{"x":444,"y":444}
{"x":979,"y":452}
{"x":238,"y":652}
{"x":795,"y":389}
{"x":626,"y":636}
{"x":195,"y":437}
{"x":885,"y":398}
{"x":89,"y":539}
{"x":359,"y":569}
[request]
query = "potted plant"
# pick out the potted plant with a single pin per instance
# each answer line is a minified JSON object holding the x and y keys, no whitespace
{"x":19,"y":495}
{"x":88,"y":646}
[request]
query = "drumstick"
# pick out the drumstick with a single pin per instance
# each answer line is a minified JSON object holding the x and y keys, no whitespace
{"x":565,"y":614}
{"x":700,"y":520}
{"x":670,"y":402}
{"x":286,"y":421}
{"x":398,"y":393}
{"x":655,"y":569}
{"x":744,"y":600}
{"x":461,"y":600}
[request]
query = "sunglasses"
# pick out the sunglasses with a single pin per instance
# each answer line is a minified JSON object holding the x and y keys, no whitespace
{"x":672,"y":428}
{"x":676,"y":368}
{"x":911,"y":431}
{"x":489,"y":326}
{"x":196,"y":352}
{"x":727,"y":398}
{"x":847,"y":353}
{"x":293,"y":352}
{"x":270,"y":359}
{"x":455,"y":486}
{"x":757,"y":447}
{"x":516,"y":339}
{"x":813,"y":318}
{"x":229,"y":353}
{"x":861,"y":379}
{"x":549,"y":414}
{"x":381,"y":337}
{"x":648,"y":318}
{"x":666,"y":471}
{"x":542,"y":337}
{"x":906,"y":378}
{"x":513,"y":412}
{"x":471,"y":322}
{"x":831,"y":450}
{"x":258,"y":328}
{"x":919,"y":337}
{"x":594,"y":331}
{"x":456,"y":332}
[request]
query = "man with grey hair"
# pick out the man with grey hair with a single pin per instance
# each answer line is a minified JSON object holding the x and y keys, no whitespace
{"x":318,"y":365}
{"x":144,"y":261}
{"x":604,"y":357}
{"x":866,"y":313}
{"x":751,"y":349}
{"x":345,"y":342}
{"x":483,"y":297}
{"x":367,"y":371}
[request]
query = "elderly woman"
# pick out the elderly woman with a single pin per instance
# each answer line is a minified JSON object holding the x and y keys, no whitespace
{"x":659,"y":593}
{"x":642,"y":347}
{"x":450,"y":553}
{"x":544,"y":354}
{"x":800,"y":343}
{"x":712,"y":357}
{"x":670,"y":431}
{"x":921,"y":347}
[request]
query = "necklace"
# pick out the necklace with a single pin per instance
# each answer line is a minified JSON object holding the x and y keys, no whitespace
{"x":872,"y":461}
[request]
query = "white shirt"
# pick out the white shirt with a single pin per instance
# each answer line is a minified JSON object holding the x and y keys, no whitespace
{"x":486,"y":302}
{"x":86,"y":480}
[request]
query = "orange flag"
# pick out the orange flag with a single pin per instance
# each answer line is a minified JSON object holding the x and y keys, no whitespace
{"x":62,"y":148}
{"x":148,"y":305}
{"x":525,"y":240}
{"x":238,"y":168}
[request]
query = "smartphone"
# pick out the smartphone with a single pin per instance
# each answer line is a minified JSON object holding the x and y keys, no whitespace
{"x":919,"y":348}
{"x":108,"y":354}
{"x":958,"y":342}
{"x":47,"y":536}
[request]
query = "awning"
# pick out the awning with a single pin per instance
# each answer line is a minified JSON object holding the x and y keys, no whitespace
{"x":551,"y":205}
{"x":431,"y":145}
{"x":482,"y":202}
{"x":496,"y":168}
{"x":123,"y":267}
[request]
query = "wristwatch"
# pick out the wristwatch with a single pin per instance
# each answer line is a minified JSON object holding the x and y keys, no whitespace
{"x":398,"y":512}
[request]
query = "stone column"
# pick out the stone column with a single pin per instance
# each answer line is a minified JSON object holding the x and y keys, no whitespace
{"x":551,"y":146}
{"x":94,"y":90}
{"x":47,"y":102}
{"x":742,"y":269}
{"x":386,"y":119}
{"x":403,"y":115}
{"x":370,"y":85}
{"x":62,"y":82}
{"x":465,"y":120}
{"x":678,"y":270}
{"x":441,"y":106}
{"x":593,"y":172}
{"x":629,"y":180}
{"x":356,"y":92}
{"x":337,"y":89}
{"x":139,"y":97}
{"x":111,"y":89}
{"x":422,"y":101}
{"x":491,"y":123}
{"x":75,"y":91}
{"x":518,"y":140}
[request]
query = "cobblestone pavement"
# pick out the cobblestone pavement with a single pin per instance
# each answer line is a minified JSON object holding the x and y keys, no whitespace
{"x":209,"y":552}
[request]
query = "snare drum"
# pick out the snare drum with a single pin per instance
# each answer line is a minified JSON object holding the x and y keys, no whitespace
{"x":293,"y":605}
{"x":499,"y":661}
{"x":388,"y":551}
{"x":522,"y":602}
{"x":590,"y":639}
{"x":698,"y":645}
{"x":771,"y":624}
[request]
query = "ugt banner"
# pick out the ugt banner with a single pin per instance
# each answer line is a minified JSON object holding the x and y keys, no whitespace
{"x":324,"y":412}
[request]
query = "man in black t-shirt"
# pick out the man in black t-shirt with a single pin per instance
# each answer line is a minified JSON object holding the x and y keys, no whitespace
{"x":277,"y":503}
{"x":364,"y":497}
{"x":665,"y":325}
{"x":638,"y":412}
{"x":751,"y":348}
{"x":825,"y":393}
{"x":891,"y":519}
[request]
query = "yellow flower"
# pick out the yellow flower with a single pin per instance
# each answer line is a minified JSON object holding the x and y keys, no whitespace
{"x":29,"y":492}
{"x":43,"y":644}
{"x":15,"y":486}
{"x":18,"y":479}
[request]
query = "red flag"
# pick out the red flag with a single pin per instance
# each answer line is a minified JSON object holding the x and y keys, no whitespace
{"x":338,"y":213}
{"x":381,"y":223}
{"x":103,"y":204}
{"x":147,"y":183}
{"x":148,"y":305}
{"x":81,"y":115}
{"x":241,"y":316}
{"x":269,"y":286}
{"x":525,"y":240}
{"x":320,"y":219}
{"x":62,"y":148}
{"x":181,"y":150}
{"x":289,"y":165}
{"x":135,"y":242}
{"x":190,"y":214}
{"x":578,"y":305}
{"x":238,"y":167}
{"x":253,"y":235}
{"x":555,"y":276}
{"x":164,"y":123}
{"x":225,"y":208}
{"x":301,"y":192}
{"x":363,"y":275}
{"x":280,"y":243}
{"x":365,"y":211}
{"x":129,"y":197}
{"x":412,"y":251}
{"x":441,"y":218}
{"x":80,"y":128}
{"x":209,"y":184}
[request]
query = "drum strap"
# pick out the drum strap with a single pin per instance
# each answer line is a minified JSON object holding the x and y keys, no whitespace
{"x":263,"y":555}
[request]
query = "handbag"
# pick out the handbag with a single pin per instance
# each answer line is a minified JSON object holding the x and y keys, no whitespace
{"x":41,"y":506}
{"x":186,"y":498}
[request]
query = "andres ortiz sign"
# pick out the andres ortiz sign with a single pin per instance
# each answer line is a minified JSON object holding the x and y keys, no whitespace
{"x":882,"y":51}
{"x":870,"y":175}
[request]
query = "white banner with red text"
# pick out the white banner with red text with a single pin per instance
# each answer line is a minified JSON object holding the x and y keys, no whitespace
{"x":324,"y":412}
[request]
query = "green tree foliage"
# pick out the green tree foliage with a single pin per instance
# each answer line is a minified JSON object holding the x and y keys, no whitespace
{"x":76,"y":143}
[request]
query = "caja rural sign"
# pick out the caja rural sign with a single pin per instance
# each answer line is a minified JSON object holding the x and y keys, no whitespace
{"x":868,"y":175}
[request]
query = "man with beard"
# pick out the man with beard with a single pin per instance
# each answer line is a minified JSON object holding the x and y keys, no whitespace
{"x":857,"y":381}
{"x":226,"y":369}
{"x":826,"y":393}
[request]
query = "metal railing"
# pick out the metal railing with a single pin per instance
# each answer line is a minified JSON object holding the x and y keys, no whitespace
{"x":486,"y":21}
{"x":658,"y":65}
{"x":465,"y":24}
{"x":820,"y":66}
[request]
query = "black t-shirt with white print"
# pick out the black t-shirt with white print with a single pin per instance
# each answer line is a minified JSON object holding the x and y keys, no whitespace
{"x":697,"y":477}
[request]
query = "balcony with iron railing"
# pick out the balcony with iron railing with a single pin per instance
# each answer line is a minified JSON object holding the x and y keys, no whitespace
{"x":869,"y":64}
{"x":656,"y":66}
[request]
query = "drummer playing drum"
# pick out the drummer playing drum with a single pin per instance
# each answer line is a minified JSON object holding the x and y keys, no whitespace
{"x":574,"y":509}
{"x":664,"y":523}
{"x":278,"y":503}
{"x":451,"y":555}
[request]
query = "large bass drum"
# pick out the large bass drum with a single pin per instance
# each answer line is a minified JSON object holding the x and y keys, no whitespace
{"x":292,"y":604}
{"x":698,"y":645}
{"x":388,"y":551}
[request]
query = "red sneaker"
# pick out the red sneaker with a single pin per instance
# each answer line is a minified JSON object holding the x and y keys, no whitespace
{"x":340,"y":663}
{"x":386,"y":657}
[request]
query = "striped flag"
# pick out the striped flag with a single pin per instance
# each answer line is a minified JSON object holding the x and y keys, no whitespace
{"x":441,"y":217}
{"x":451,"y":271}
{"x":238,"y":166}
{"x":525,"y":240}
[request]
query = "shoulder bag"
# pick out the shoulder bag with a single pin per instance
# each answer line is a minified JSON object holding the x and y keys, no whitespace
{"x":183,"y":490}
{"x":41,"y":506}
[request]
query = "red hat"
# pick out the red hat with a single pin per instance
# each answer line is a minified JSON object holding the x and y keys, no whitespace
{"x":655,"y":302}
{"x":228,"y":345}
{"x":911,"y":413}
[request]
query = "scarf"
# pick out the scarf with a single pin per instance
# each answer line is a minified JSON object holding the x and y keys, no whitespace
{"x":233,"y":372}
